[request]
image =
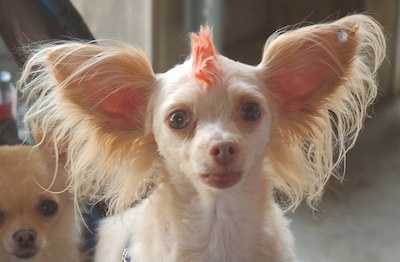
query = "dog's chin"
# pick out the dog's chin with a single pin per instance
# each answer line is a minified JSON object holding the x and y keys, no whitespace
{"x":222,"y":180}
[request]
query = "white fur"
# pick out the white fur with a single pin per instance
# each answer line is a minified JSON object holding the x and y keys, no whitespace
{"x":184,"y":220}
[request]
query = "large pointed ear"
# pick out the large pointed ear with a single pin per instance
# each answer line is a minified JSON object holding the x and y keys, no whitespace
{"x":307,"y":65}
{"x":91,"y":102}
{"x":110,"y":85}
{"x":321,"y":80}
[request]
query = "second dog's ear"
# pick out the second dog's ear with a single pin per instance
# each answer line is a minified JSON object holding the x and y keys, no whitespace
{"x":110,"y":85}
{"x":303,"y":67}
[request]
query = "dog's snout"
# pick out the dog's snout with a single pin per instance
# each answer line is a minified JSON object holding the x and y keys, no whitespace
{"x":223,"y":152}
{"x":25,"y":238}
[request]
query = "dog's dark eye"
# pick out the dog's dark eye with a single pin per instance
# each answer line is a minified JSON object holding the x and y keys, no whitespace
{"x":2,"y":216}
{"x":251,"y":111}
{"x":48,"y":207}
{"x":179,"y":119}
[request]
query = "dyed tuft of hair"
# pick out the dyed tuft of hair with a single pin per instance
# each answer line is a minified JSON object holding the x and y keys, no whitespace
{"x":204,"y":56}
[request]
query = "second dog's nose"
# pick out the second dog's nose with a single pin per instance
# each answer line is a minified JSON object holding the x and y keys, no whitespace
{"x":223,"y":152}
{"x":25,"y":238}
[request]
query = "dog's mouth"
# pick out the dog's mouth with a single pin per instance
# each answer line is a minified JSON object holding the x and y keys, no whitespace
{"x":26,"y":253}
{"x":221,"y":180}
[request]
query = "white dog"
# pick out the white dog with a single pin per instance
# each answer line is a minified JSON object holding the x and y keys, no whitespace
{"x":204,"y":147}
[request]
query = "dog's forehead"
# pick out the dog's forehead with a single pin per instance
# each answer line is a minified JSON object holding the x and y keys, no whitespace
{"x":23,"y":166}
{"x":181,"y":76}
{"x":177,"y":88}
{"x":231,"y":68}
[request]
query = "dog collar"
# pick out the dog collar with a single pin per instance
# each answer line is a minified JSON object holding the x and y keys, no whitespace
{"x":125,"y":256}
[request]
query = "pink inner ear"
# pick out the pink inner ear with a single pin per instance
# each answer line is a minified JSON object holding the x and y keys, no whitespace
{"x":116,"y":107}
{"x":298,"y":85}
{"x":307,"y":66}
{"x":111,"y":89}
{"x":204,"y":56}
{"x":121,"y":108}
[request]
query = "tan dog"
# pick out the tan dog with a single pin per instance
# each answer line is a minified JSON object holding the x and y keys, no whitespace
{"x":37,"y":221}
{"x":212,"y":139}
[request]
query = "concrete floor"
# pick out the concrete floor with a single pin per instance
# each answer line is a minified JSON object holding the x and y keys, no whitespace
{"x":359,"y":220}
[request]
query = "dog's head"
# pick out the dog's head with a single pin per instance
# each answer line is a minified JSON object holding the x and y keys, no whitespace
{"x":211,"y":118}
{"x":33,"y":209}
{"x":210,"y":121}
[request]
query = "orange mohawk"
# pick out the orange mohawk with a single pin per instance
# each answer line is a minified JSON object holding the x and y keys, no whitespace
{"x":205,"y":66}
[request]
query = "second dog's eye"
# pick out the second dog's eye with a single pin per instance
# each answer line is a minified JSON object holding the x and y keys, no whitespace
{"x":48,"y":207}
{"x":250,"y":111}
{"x":2,"y":216}
{"x":179,"y":120}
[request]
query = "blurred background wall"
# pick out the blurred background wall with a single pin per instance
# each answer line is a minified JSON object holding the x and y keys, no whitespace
{"x":241,"y":28}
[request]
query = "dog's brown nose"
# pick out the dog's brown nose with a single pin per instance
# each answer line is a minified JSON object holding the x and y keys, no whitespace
{"x":223,"y":152}
{"x":25,"y":238}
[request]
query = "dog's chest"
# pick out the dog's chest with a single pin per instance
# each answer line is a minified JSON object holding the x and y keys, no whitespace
{"x":202,"y":234}
{"x":221,"y":238}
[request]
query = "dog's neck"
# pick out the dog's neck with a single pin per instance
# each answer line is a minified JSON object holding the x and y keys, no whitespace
{"x":222,"y":223}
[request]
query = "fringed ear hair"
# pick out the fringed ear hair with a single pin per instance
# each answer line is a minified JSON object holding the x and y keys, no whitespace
{"x":204,"y":57}
{"x":321,"y":79}
{"x":309,"y":64}
{"x":91,"y":101}
{"x":111,"y":84}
